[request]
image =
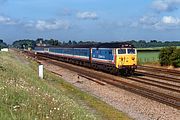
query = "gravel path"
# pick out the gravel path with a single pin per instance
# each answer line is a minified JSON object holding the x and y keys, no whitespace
{"x":137,"y":107}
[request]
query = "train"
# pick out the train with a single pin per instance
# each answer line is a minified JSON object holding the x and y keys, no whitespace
{"x":116,"y":58}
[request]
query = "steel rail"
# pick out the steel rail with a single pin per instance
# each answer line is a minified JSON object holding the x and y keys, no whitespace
{"x":167,"y":78}
{"x":154,"y":84}
{"x":156,"y":81}
{"x":153,"y":69}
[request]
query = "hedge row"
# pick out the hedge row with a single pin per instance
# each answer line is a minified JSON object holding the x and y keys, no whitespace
{"x":170,"y":56}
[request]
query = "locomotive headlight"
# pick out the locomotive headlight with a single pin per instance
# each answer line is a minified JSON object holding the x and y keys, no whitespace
{"x":121,"y":58}
{"x":133,"y":58}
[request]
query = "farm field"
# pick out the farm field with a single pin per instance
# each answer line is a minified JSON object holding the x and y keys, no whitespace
{"x":25,"y":96}
{"x":148,"y":56}
{"x":153,"y":48}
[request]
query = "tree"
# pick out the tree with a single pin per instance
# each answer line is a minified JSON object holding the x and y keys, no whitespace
{"x":2,"y":44}
{"x":70,"y":42}
{"x":74,"y":43}
{"x":50,"y":42}
{"x":53,"y":42}
{"x":39,"y":40}
{"x":153,"y":41}
{"x":80,"y":42}
{"x":165,"y":55}
{"x":56,"y":43}
{"x":24,"y":44}
{"x":175,"y":58}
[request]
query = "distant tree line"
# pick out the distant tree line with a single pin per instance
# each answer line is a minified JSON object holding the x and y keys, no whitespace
{"x":52,"y":42}
{"x":24,"y":44}
{"x":2,"y":44}
{"x":27,"y":43}
{"x":170,"y":56}
{"x":153,"y":43}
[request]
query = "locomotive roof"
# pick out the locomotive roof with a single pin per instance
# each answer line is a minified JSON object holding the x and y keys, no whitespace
{"x":115,"y":45}
{"x":104,"y":45}
{"x":100,"y":45}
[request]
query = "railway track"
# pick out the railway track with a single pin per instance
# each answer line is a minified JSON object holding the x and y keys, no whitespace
{"x":159,"y":82}
{"x":159,"y":96}
{"x":116,"y":81}
{"x":164,"y":70}
{"x":166,"y":86}
{"x":154,"y":75}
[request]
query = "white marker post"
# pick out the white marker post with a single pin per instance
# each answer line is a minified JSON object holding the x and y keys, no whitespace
{"x":41,"y":71}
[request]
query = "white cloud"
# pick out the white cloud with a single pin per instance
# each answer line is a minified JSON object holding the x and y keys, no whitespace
{"x":6,"y":20}
{"x":148,"y":20}
{"x":48,"y":25}
{"x":165,"y":5}
{"x":29,"y":24}
{"x":170,"y":20}
{"x":158,"y":23}
{"x":87,"y":15}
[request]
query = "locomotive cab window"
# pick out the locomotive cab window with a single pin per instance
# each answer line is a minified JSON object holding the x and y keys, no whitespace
{"x":122,"y":51}
{"x":131,"y":51}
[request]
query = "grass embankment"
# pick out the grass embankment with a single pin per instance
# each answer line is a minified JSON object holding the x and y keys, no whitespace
{"x":24,"y":96}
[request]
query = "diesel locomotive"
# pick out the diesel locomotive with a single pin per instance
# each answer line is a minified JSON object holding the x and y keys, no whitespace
{"x":116,"y":58}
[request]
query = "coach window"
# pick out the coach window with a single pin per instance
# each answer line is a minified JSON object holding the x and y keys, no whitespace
{"x":122,"y":51}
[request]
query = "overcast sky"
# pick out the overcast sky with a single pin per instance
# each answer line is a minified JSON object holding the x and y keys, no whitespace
{"x":98,"y":20}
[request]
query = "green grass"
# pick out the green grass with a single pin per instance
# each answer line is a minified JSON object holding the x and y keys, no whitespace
{"x":153,"y":48}
{"x":148,"y":57}
{"x":25,"y":97}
